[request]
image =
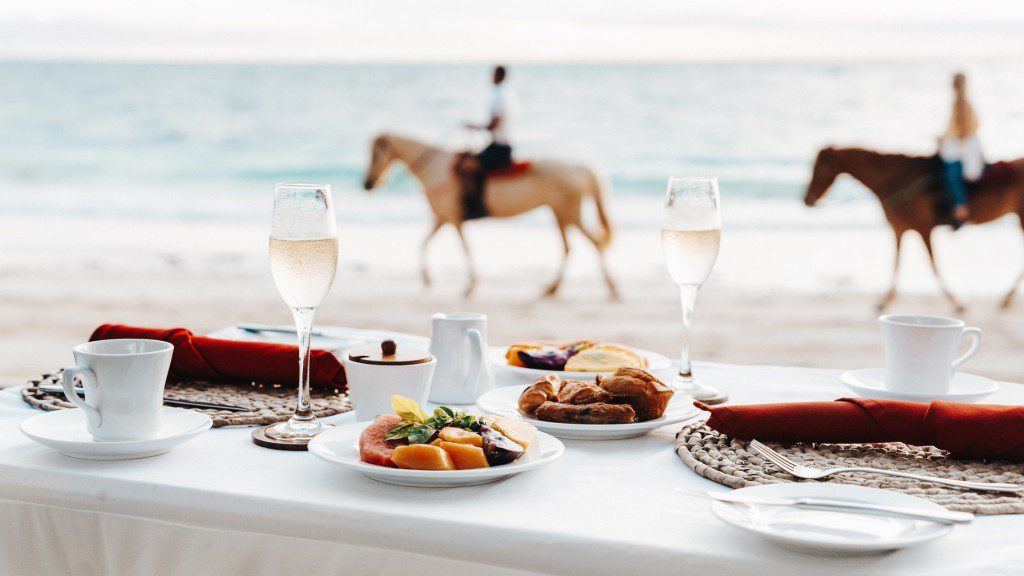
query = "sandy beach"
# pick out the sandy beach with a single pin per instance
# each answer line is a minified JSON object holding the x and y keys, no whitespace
{"x":794,"y":298}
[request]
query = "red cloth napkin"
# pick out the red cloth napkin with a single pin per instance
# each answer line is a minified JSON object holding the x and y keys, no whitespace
{"x":965,"y":430}
{"x":230,"y":361}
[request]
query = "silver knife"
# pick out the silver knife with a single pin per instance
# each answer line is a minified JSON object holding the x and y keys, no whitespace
{"x":940,"y":516}
{"x":257,"y":328}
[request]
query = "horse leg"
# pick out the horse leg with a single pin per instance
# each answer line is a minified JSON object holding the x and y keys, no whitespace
{"x":1016,"y":283}
{"x":553,"y":288}
{"x":891,"y":294}
{"x":423,"y":252}
{"x":942,"y":285}
{"x":613,"y":291}
{"x":469,"y":262}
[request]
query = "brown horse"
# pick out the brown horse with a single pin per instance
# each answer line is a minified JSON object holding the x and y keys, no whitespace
{"x":560,"y":186}
{"x":909,"y":190}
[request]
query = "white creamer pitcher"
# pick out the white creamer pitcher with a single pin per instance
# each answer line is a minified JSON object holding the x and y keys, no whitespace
{"x":459,"y":342}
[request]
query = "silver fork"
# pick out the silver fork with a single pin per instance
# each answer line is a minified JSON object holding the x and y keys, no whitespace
{"x":811,"y":473}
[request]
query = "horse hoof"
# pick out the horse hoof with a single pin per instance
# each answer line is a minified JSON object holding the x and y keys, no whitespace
{"x":1007,"y":301}
{"x":551,"y":291}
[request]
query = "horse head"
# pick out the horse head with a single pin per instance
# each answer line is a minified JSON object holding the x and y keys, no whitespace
{"x":382,"y":154}
{"x":825,"y":173}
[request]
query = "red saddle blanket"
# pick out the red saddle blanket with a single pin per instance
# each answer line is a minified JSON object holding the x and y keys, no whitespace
{"x":996,"y":175}
{"x":513,"y":169}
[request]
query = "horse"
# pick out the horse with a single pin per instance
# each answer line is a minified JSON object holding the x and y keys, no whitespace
{"x":560,"y":186}
{"x":911,"y":193}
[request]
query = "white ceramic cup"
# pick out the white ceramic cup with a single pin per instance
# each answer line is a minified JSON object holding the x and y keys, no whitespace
{"x":124,"y":386}
{"x":919,"y":351}
{"x":372,"y":385}
{"x":459,"y":342}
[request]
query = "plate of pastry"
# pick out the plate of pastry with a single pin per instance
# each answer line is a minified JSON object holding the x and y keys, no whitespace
{"x":579,"y":359}
{"x":443,"y":449}
{"x":629,"y":403}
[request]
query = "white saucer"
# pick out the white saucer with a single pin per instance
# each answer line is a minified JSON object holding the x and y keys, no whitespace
{"x":340,"y":447}
{"x":655,"y":363}
{"x":504,"y":401}
{"x":64,"y":431}
{"x":828,"y":532}
{"x":963,"y":388}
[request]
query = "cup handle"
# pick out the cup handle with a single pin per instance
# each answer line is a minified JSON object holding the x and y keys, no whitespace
{"x":476,"y":353}
{"x":975,"y":335}
{"x":67,"y":382}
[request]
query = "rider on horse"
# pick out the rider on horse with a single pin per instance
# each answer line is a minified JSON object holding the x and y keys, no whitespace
{"x":472,"y":169}
{"x":960,"y":151}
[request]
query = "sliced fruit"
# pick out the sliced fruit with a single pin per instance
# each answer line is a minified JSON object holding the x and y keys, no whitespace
{"x":422,"y":457}
{"x":465,"y":456}
{"x":516,"y":430}
{"x":373,"y":448}
{"x":460,"y":436}
{"x":499,"y":449}
{"x":436,"y":442}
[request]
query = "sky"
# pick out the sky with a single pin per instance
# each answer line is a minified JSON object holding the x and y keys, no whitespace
{"x":514,"y":31}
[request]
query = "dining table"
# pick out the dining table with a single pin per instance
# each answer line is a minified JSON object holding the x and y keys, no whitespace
{"x":222,"y":505}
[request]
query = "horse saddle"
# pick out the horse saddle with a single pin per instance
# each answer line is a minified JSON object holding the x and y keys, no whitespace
{"x":516,"y":168}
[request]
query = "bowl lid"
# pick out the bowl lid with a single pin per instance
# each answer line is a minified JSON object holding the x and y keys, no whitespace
{"x":388,"y":354}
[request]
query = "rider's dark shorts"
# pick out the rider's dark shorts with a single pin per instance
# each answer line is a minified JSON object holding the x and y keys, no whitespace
{"x":495,"y":156}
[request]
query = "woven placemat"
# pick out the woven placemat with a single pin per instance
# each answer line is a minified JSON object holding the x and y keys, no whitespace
{"x":265,"y":404}
{"x":727,"y":461}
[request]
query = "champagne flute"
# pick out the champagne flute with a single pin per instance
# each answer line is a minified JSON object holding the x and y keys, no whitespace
{"x":690,"y":236}
{"x":303,"y":261}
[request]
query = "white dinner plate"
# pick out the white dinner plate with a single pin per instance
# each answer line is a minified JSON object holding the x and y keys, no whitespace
{"x":655,"y":363}
{"x":340,"y":447}
{"x":65,"y":432}
{"x":504,"y":401}
{"x":963,"y":388}
{"x":828,"y":532}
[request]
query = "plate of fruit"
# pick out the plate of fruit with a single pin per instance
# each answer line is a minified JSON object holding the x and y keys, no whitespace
{"x":629,"y":403}
{"x":581,"y":359}
{"x":446,"y":448}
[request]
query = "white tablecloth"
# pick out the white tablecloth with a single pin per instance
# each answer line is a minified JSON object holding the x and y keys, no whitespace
{"x":220,"y":505}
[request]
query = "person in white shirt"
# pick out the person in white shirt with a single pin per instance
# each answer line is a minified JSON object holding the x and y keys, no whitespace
{"x":473,"y":170}
{"x":960,"y":151}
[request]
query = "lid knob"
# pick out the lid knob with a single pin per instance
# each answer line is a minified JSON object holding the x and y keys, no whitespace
{"x":388,"y":348}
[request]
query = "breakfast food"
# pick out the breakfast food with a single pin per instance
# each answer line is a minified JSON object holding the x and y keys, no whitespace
{"x":645,"y":393}
{"x":580,"y":356}
{"x":629,"y":395}
{"x":446,"y":440}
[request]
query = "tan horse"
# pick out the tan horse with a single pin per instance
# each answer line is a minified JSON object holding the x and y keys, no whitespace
{"x":557,"y":185}
{"x":908,"y":188}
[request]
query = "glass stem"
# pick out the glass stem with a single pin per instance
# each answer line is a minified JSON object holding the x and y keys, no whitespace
{"x":304,"y":327}
{"x":688,"y":296}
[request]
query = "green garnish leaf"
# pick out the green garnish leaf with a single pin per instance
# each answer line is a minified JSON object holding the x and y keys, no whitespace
{"x":400,"y":431}
{"x":421,"y":434}
{"x":408,"y":409}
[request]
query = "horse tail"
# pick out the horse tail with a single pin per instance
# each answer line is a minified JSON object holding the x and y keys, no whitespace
{"x":597,"y":191}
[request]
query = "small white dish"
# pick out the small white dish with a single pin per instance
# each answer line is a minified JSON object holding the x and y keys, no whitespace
{"x":828,"y":532}
{"x":340,"y":447}
{"x":65,"y":432}
{"x":964,"y":387}
{"x":655,"y":363}
{"x":504,"y":401}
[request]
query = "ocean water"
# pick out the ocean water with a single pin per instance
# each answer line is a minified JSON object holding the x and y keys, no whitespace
{"x":191,"y":142}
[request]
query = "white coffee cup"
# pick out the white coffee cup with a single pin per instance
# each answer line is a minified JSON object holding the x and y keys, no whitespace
{"x":124,"y":382}
{"x":919,"y":351}
{"x":459,"y":342}
{"x":373,"y":377}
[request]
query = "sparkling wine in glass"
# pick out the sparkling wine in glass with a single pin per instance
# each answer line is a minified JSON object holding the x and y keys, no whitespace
{"x":690,"y":235}
{"x":303,"y":261}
